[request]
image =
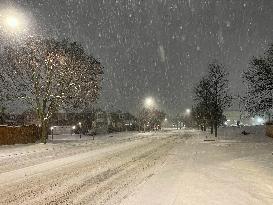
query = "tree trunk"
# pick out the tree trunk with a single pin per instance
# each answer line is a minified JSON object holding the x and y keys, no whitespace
{"x":211,"y":128}
{"x":215,"y":127}
{"x":44,"y":133}
{"x":144,"y":127}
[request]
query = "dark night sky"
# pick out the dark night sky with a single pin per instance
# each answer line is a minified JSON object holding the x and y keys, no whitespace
{"x":157,"y":48}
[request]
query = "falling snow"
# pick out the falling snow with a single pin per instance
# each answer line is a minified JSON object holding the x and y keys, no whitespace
{"x":146,"y":46}
{"x":176,"y":65}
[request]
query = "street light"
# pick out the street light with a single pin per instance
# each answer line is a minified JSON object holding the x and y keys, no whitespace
{"x":187,"y":116}
{"x":149,"y":102}
{"x":52,"y":128}
{"x":13,"y":22}
{"x":73,"y":129}
{"x":80,"y":125}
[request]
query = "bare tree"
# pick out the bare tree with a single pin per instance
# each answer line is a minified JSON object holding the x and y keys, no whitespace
{"x":143,"y":117}
{"x":221,"y":99}
{"x":200,"y":116}
{"x":150,"y":118}
{"x":212,"y":95}
{"x":202,"y":110}
{"x":49,"y":74}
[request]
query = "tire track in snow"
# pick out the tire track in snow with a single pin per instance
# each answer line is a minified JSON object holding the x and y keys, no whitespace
{"x":87,"y":181}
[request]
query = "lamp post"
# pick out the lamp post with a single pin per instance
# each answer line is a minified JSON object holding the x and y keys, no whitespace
{"x":52,"y":129}
{"x":187,"y":117}
{"x":73,"y":129}
{"x":165,"y":122}
{"x":80,"y":126}
{"x":149,"y":104}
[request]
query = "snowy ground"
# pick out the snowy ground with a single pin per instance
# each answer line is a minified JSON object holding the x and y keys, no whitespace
{"x":169,"y":167}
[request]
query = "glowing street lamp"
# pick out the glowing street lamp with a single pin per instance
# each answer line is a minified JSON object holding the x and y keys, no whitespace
{"x":80,"y":125}
{"x":12,"y":22}
{"x":52,"y":130}
{"x":149,"y":102}
{"x":73,"y":129}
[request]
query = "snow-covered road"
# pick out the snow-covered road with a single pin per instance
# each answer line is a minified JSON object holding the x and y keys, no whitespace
{"x":168,"y":168}
{"x":224,"y":172}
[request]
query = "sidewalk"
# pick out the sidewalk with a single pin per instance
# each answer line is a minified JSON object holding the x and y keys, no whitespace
{"x":198,"y":173}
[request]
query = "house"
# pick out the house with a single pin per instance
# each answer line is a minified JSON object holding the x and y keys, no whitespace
{"x":102,"y":122}
{"x":114,"y":122}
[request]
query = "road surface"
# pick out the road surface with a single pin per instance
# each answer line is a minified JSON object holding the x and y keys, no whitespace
{"x":168,"y":168}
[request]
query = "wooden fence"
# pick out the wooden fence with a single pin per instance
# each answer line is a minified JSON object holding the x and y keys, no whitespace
{"x":18,"y":134}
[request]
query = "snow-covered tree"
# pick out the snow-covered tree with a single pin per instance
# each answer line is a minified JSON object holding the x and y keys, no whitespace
{"x":212,"y":96}
{"x":221,"y":99}
{"x":149,"y":118}
{"x":143,"y":118}
{"x":49,"y":74}
{"x":259,"y":83}
{"x":3,"y":97}
{"x":203,"y":102}
{"x":157,"y":118}
{"x":200,"y":116}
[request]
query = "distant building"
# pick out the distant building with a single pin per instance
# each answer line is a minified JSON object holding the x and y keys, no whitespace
{"x":235,"y":118}
{"x":114,"y":122}
{"x":102,"y":122}
{"x":58,"y":130}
